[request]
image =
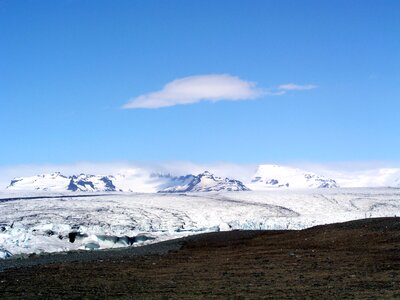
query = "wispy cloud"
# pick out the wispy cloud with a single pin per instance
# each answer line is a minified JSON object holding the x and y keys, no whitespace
{"x":194,"y":89}
{"x":296,"y":87}
{"x":214,"y":87}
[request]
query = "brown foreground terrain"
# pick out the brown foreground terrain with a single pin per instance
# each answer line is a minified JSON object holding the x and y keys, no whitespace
{"x":358,"y":259}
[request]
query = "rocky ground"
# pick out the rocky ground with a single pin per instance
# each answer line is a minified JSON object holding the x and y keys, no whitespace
{"x":358,"y":259}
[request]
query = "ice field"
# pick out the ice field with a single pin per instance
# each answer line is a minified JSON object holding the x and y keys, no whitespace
{"x":48,"y":222}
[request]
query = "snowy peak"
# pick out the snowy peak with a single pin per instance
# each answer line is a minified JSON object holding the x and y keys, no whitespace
{"x":273,"y":176}
{"x":57,"y":182}
{"x":51,"y":182}
{"x":92,"y":183}
{"x":204,"y":182}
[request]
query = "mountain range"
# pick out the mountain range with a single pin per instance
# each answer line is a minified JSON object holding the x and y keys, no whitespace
{"x":161,"y":183}
{"x":132,"y":180}
{"x":59,"y":183}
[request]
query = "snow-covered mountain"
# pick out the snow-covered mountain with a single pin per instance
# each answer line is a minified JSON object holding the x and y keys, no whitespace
{"x":142,"y":180}
{"x":57,"y":182}
{"x":91,"y":183}
{"x":204,"y":182}
{"x":127,"y":181}
{"x":52,"y":182}
{"x":273,"y":176}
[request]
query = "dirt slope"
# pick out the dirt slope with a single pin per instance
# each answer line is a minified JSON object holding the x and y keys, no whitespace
{"x":358,"y":259}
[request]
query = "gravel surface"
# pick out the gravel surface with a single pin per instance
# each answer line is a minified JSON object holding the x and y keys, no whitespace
{"x":52,"y":258}
{"x":352,"y":260}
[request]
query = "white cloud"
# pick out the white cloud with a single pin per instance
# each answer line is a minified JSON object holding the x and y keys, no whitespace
{"x":213,"y":87}
{"x":296,"y":87}
{"x":194,"y":89}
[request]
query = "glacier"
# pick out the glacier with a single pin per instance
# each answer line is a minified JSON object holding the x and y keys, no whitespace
{"x":36,"y":222}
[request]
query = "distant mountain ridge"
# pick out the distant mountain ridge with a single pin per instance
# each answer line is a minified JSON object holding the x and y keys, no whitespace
{"x":204,"y":182}
{"x":267,"y":176}
{"x":59,"y":183}
{"x":274,"y":176}
{"x":85,"y":182}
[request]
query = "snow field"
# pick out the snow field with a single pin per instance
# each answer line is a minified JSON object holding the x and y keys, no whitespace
{"x":129,"y":219}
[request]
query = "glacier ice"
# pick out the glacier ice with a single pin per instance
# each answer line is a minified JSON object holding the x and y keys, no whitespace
{"x":63,"y":222}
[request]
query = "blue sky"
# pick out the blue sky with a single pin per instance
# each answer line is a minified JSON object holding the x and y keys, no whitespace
{"x":67,"y":68}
